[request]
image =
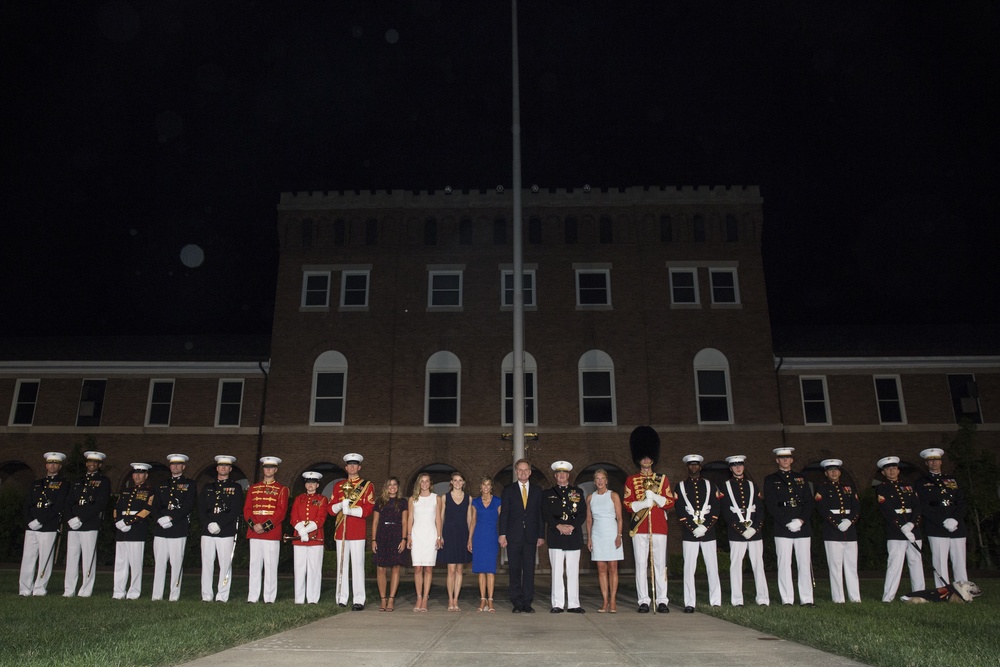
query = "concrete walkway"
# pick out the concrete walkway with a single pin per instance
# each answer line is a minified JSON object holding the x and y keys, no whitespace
{"x":439,"y":637}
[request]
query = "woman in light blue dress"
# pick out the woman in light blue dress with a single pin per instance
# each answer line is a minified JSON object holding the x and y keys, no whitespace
{"x":604,"y":525}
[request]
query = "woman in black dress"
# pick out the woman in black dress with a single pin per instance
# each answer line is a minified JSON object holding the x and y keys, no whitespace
{"x":456,"y":517}
{"x":388,"y":529}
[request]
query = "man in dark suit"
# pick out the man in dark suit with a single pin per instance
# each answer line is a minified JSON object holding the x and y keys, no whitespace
{"x":521,"y":534}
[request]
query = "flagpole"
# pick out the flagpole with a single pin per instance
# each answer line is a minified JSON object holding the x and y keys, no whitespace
{"x":518,"y":411}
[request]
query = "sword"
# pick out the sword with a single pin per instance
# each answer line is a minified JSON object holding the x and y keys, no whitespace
{"x":236,"y":537}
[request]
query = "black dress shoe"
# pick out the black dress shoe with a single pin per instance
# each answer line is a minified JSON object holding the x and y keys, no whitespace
{"x":516,"y":610}
{"x":577,"y":610}
{"x":688,"y":610}
{"x":644,"y":608}
{"x":358,"y":607}
{"x":341,"y":604}
{"x":662,"y":608}
{"x":808,"y":604}
{"x":527,"y":609}
{"x":557,"y":610}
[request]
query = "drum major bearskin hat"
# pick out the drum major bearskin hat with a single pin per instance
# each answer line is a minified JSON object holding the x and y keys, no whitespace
{"x":644,"y":442}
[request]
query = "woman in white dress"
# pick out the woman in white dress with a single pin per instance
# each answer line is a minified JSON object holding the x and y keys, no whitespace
{"x":604,"y":525}
{"x":423,"y":536}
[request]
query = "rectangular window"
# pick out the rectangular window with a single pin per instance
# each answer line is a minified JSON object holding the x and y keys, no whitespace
{"x":22,"y":413}
{"x":371,"y":231}
{"x":598,"y":401}
{"x":965,"y":397}
{"x":570,"y":231}
{"x":161,"y":396}
{"x":527,"y":288}
{"x":684,"y":286}
{"x":499,"y":232}
{"x":889,"y":396}
{"x":465,"y":232}
{"x":713,"y":396}
{"x":606,"y":232}
{"x":698,"y":229}
{"x":229,"y":408}
{"x":593,"y":287}
{"x":535,"y":230}
{"x":814,"y":406}
{"x":725,"y":286}
{"x":442,"y":398}
{"x":328,"y":403}
{"x":444,"y":288}
{"x":316,"y":288}
{"x":529,"y":398}
{"x":91,"y":403}
{"x":354,"y":288}
{"x":666,"y":229}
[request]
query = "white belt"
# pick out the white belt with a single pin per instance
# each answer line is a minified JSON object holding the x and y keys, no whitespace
{"x":902,"y":511}
{"x":129,"y":513}
{"x":840,"y":511}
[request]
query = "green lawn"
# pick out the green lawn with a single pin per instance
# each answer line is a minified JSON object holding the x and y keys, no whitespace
{"x":84,"y":632}
{"x":875,"y":633}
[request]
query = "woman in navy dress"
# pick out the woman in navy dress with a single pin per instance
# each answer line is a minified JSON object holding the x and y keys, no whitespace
{"x":483,"y":541}
{"x":390,"y":517}
{"x":456,"y":515}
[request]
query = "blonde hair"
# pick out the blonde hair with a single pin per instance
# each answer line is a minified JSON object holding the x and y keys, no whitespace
{"x":416,"y":484}
{"x":486,"y":480}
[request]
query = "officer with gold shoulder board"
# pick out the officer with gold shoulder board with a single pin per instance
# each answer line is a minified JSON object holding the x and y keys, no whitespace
{"x":943,"y":507}
{"x":88,"y":499}
{"x":42,"y":512}
{"x":132,"y":516}
{"x":176,"y":500}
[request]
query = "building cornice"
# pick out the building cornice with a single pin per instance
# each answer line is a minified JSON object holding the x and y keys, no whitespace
{"x":130,"y":368}
{"x":899,"y":364}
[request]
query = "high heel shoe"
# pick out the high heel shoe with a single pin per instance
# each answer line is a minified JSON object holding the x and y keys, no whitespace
{"x":614,"y":608}
{"x":417,"y":607}
{"x":489,"y":601}
{"x":482,"y":604}
{"x":392,"y":603}
{"x":381,"y":606}
{"x":604,"y":608}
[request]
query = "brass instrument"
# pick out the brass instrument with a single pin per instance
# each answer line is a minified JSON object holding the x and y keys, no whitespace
{"x":352,"y":492}
{"x":651,"y":483}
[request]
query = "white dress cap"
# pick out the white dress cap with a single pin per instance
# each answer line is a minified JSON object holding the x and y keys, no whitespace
{"x":693,"y":458}
{"x":94,"y":456}
{"x":225,"y":459}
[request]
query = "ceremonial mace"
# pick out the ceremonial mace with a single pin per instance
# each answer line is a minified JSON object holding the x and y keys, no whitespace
{"x":350,"y":493}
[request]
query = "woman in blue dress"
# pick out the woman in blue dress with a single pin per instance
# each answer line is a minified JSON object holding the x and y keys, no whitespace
{"x":455,"y":519}
{"x":483,"y":541}
{"x":604,"y":525}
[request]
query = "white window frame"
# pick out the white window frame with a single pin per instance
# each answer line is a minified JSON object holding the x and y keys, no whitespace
{"x":441,"y":363}
{"x":82,"y":404}
{"x":306,"y":275}
{"x":153,"y":384}
{"x":507,"y":369}
{"x":712,"y":360}
{"x":17,"y":402}
{"x":690,"y":271}
{"x":529,"y":291}
{"x":713,"y":271}
{"x":333,"y":363}
{"x":351,"y":273}
{"x":826,"y":400}
{"x":219,"y":403}
{"x":596,"y":361}
{"x":880,"y":400}
{"x":591,"y":271}
{"x":433,"y":273}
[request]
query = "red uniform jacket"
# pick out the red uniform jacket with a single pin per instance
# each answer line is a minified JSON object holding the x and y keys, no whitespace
{"x":266,"y":503}
{"x":635,"y":490}
{"x":354,"y":525}
{"x":310,"y":508}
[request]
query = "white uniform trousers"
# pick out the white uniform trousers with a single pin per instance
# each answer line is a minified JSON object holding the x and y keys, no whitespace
{"x":128,"y":562}
{"x":755,"y":550}
{"x":308,"y":573}
{"x":640,"y":549}
{"x":842,"y":561}
{"x":81,"y":554}
{"x":213,"y":548}
{"x":355,"y":563}
{"x":36,"y":562}
{"x":898,"y":550}
{"x":707,"y":549}
{"x":784,"y":546}
{"x":943,"y":548}
{"x":568,"y":561}
{"x":168,"y":551}
{"x":263,"y":556}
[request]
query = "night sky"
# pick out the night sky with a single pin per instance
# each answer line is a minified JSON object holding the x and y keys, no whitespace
{"x":133,"y":129}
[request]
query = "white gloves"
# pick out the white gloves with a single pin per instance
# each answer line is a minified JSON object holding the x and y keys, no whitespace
{"x":299,"y":526}
{"x":165,"y":522}
{"x":844,"y":525}
{"x":339,"y":507}
{"x":656,"y":498}
{"x":75,"y":523}
{"x":310,"y":526}
{"x":35,"y":524}
{"x":353,"y":511}
{"x":794,"y":526}
{"x":122,"y":526}
{"x":214,"y":528}
{"x":907,"y":527}
{"x":303,"y":535}
{"x":700,"y":531}
{"x":749,"y":532}
{"x":640,"y":505}
{"x":950,"y":525}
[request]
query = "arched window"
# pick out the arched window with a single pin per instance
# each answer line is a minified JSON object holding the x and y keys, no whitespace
{"x":329,"y":388}
{"x":442,"y":404}
{"x":597,"y":388}
{"x":711,"y":371}
{"x":530,"y":390}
